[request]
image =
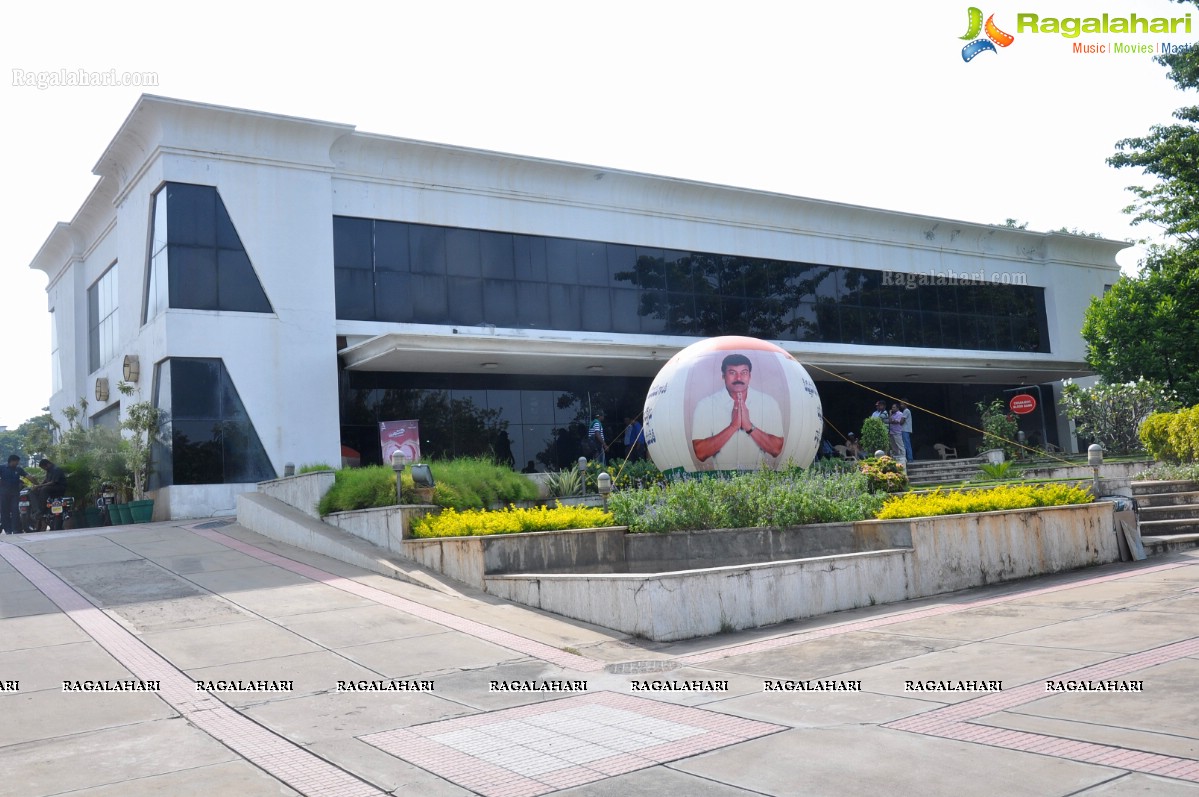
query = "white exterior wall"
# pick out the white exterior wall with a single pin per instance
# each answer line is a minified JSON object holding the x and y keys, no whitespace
{"x":282,"y":180}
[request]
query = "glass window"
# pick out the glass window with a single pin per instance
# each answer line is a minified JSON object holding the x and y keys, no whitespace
{"x":562,"y":256}
{"x":102,"y":319}
{"x":192,"y":217}
{"x":393,"y":296}
{"x":427,"y":245}
{"x":592,"y":259}
{"x":430,"y":305}
{"x":355,"y":293}
{"x":597,"y":309}
{"x":530,"y":258}
{"x":466,"y":300}
{"x":462,"y":253}
{"x":500,"y":304}
{"x":193,"y":274}
{"x":565,"y":312}
{"x":391,"y":244}
{"x":497,"y":256}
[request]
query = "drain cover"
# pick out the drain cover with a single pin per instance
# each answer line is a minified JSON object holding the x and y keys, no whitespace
{"x":214,"y":524}
{"x":639,"y":667}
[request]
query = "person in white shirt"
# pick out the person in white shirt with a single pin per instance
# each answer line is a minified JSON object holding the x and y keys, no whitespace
{"x":737,"y":427}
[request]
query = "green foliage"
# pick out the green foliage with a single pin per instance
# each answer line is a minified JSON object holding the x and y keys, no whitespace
{"x":999,"y":427}
{"x":625,"y":474}
{"x":1111,"y":414}
{"x":874,"y":436}
{"x":313,"y":467}
{"x":359,"y":488}
{"x":762,"y":498}
{"x":565,"y":482}
{"x":512,"y":520}
{"x":143,"y":419}
{"x":1169,"y":471}
{"x":32,"y":438}
{"x":1146,"y":326}
{"x":960,"y":502}
{"x":1173,"y":436}
{"x":884,"y":473}
{"x":465,"y":483}
{"x":997,"y":471}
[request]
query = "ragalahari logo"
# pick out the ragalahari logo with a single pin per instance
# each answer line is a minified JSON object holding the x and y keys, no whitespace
{"x":979,"y":45}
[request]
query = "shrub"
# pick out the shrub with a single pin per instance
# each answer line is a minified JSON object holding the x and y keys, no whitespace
{"x":763,"y":498}
{"x":997,"y":470}
{"x":477,"y":483}
{"x":960,"y":502}
{"x":1155,"y":434}
{"x":314,"y":467}
{"x":1169,"y":471}
{"x":359,"y":488}
{"x":625,"y":474}
{"x":1183,"y":434}
{"x":874,"y":436}
{"x":475,"y":522}
{"x":1111,"y":414}
{"x":884,"y":473}
{"x":999,"y":427}
{"x":562,"y":483}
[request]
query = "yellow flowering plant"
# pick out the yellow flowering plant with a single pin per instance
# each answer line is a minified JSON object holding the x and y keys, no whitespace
{"x":512,"y":520}
{"x":961,"y":502}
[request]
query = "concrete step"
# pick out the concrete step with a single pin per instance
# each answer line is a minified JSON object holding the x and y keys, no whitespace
{"x":1168,"y":512}
{"x":1155,"y":487}
{"x":1156,"y":545}
{"x":1162,"y":528}
{"x":1167,"y":499}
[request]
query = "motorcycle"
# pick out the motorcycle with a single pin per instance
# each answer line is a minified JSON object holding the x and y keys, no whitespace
{"x":108,"y":497}
{"x":49,"y":514}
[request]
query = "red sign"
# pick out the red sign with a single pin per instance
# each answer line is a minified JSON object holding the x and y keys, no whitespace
{"x":402,"y":437}
{"x":1022,"y":404}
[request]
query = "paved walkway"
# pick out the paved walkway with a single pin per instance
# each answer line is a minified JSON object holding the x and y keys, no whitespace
{"x":199,"y":658}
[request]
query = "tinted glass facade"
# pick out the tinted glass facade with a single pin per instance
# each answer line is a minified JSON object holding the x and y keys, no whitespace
{"x":197,"y":261}
{"x":212,"y":439}
{"x":512,"y":419}
{"x":401,"y":272}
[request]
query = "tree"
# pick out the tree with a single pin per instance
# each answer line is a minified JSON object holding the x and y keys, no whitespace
{"x":1145,"y":326}
{"x":1111,"y":415}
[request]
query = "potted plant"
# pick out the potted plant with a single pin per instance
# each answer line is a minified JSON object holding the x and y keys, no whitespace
{"x":143,"y":420}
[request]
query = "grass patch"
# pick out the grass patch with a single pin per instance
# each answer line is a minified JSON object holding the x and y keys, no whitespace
{"x":466,"y":483}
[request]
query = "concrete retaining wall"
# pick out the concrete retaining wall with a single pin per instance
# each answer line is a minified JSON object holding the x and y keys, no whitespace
{"x":947,"y":553}
{"x":303,"y":492}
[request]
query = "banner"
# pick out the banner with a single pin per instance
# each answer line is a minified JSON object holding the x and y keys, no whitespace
{"x":401,"y":436}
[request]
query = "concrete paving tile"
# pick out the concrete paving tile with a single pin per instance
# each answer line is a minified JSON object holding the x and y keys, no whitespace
{"x":107,"y":757}
{"x":1110,"y":595}
{"x":1168,"y":704}
{"x":47,"y":667}
{"x":208,"y":646}
{"x":655,"y":782}
{"x":1181,"y":575}
{"x":235,"y":778}
{"x":292,"y":599}
{"x":471,"y":687}
{"x":1163,"y":743}
{"x":25,"y":603}
{"x":311,"y":673}
{"x":1134,"y":784}
{"x":823,"y":709}
{"x":1187,"y":604}
{"x":432,"y":653}
{"x":114,"y":584}
{"x":389,"y":773}
{"x":187,"y":612}
{"x":1117,"y":632}
{"x":242,"y":579}
{"x":33,"y":716}
{"x":37,"y":544}
{"x":826,"y":658}
{"x":59,"y":557}
{"x":988,"y":622}
{"x":224,"y":559}
{"x":341,"y":628}
{"x":850,"y":762}
{"x":143,"y":533}
{"x":344,"y":715}
{"x":42,"y":630}
{"x":1013,"y":665}
{"x":737,"y":685}
{"x":14,"y":582}
{"x":179,"y":544}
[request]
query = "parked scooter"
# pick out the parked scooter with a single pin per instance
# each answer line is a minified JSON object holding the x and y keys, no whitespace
{"x":42,"y":513}
{"x":108,"y":497}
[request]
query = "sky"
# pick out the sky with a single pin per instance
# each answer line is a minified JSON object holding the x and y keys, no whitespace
{"x":866,"y":103}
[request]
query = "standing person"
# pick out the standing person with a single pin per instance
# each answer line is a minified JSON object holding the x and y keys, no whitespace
{"x":596,"y":436}
{"x":633,"y":441}
{"x":11,"y":475}
{"x":895,"y":428}
{"x":907,"y":428}
{"x":880,"y":411}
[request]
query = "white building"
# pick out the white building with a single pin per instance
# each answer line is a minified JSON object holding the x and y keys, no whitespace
{"x":284,"y":284}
